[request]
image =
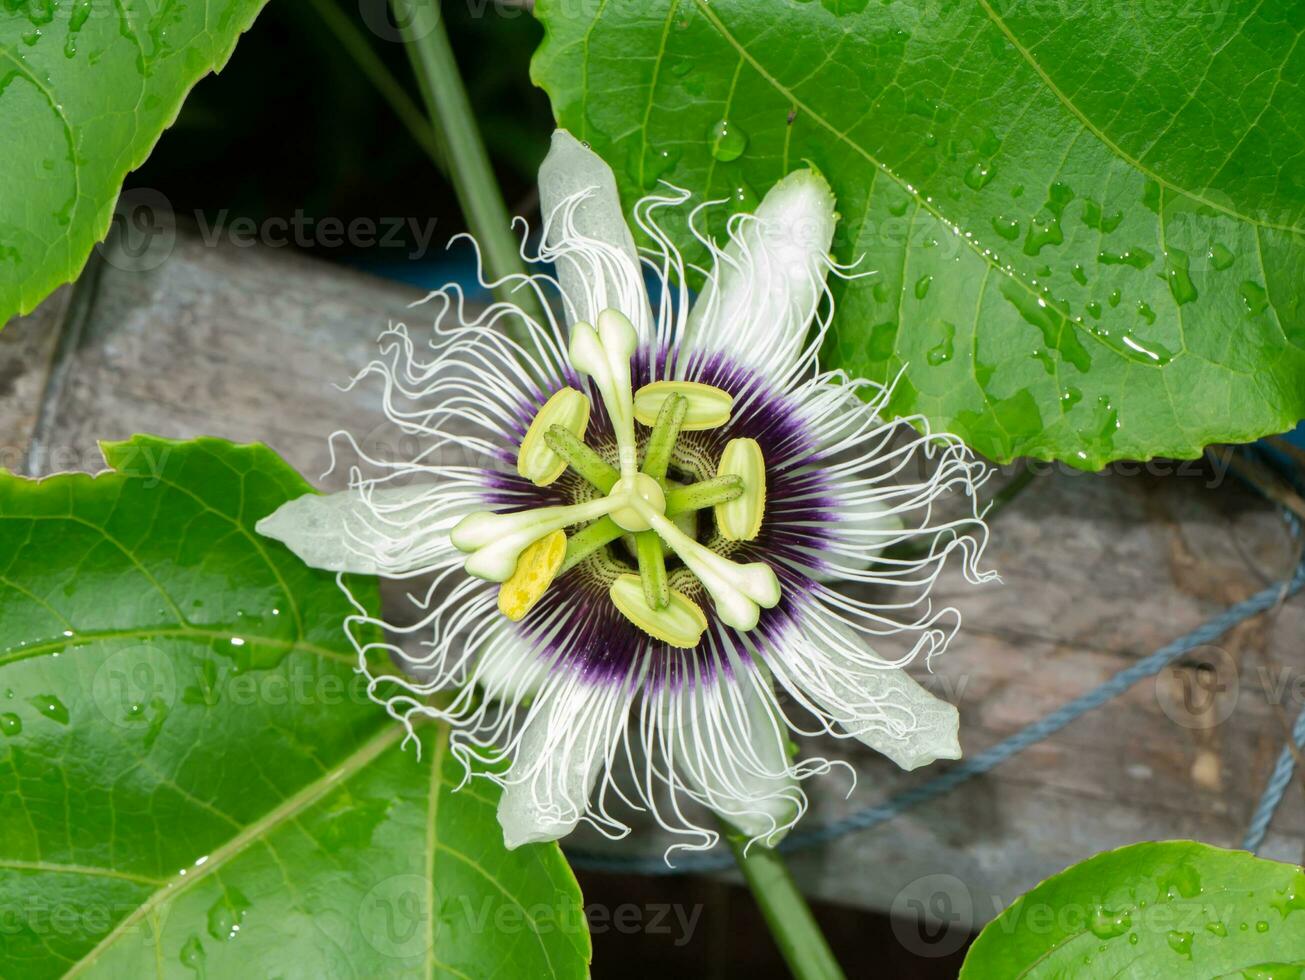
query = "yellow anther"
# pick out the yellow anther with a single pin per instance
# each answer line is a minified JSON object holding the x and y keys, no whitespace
{"x":709,"y":406}
{"x":535,"y":571}
{"x":535,"y":461}
{"x":740,"y":518}
{"x":680,"y":624}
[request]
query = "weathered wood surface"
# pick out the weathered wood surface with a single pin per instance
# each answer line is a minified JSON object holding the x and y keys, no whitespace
{"x":1098,"y":571}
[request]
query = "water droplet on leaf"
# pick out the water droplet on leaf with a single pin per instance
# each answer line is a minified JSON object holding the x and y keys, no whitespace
{"x":1106,"y":924}
{"x":1176,"y":273}
{"x":979,"y":175}
{"x":726,"y":140}
{"x":192,"y":955}
{"x":1151,"y":196}
{"x":51,"y":707}
{"x":1094,"y":217}
{"x":942,"y":353}
{"x":1220,"y":257}
{"x":1007,"y":228}
{"x":226,"y":915}
{"x":1254,"y":298}
{"x":1138,"y":258}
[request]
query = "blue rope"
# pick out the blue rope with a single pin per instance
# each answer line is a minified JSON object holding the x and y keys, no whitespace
{"x":1273,"y":792}
{"x":991,"y":757}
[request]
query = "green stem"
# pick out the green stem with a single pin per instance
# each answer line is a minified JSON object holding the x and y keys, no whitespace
{"x":591,"y":467}
{"x":370,"y":64}
{"x":791,"y":923}
{"x":446,"y":100}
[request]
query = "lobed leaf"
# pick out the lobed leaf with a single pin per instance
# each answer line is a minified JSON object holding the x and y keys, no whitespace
{"x":1175,"y":909}
{"x":1086,"y":222}
{"x":192,"y":777}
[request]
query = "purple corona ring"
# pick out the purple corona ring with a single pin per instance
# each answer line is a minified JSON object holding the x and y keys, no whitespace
{"x":631,"y":525}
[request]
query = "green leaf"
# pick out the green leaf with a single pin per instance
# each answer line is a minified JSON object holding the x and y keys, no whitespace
{"x":86,"y":88}
{"x":193,"y":780}
{"x":1086,"y":223}
{"x":1174,"y":909}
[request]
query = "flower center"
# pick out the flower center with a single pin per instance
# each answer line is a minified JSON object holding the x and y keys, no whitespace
{"x":638,"y":494}
{"x":522,"y":550}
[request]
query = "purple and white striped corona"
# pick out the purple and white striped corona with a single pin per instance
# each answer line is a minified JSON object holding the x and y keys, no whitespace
{"x":636,"y":526}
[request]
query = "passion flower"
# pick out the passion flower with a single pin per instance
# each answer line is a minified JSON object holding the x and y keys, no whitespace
{"x":666,"y":514}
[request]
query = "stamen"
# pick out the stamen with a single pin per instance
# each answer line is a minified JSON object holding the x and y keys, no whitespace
{"x":699,"y":496}
{"x":497,"y":540}
{"x":527,"y":550}
{"x":535,"y":571}
{"x":586,"y":541}
{"x":708,"y":406}
{"x":591,"y":467}
{"x":652,"y":569}
{"x":604,"y":355}
{"x":661,"y":442}
{"x":738,"y":590}
{"x":567,"y":410}
{"x":680,"y":623}
{"x":656,"y":461}
{"x":740,"y":519}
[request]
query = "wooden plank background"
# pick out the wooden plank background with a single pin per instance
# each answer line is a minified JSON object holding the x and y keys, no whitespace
{"x":1098,"y":570}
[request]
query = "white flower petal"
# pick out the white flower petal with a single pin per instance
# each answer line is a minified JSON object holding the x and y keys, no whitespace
{"x":386,"y":531}
{"x":730,"y":746}
{"x":764,"y":291}
{"x":934,"y":735}
{"x":587,"y":236}
{"x":566,"y":742}
{"x":864,"y":528}
{"x":881,"y":706}
{"x":509,"y":667}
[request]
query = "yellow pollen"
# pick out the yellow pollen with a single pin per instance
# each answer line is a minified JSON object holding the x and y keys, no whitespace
{"x":535,"y":571}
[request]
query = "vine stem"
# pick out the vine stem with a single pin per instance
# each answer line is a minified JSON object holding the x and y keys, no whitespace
{"x":421,"y":25}
{"x":370,"y":64}
{"x":794,"y":928}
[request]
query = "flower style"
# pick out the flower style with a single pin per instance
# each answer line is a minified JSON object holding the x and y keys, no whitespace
{"x":658,"y":515}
